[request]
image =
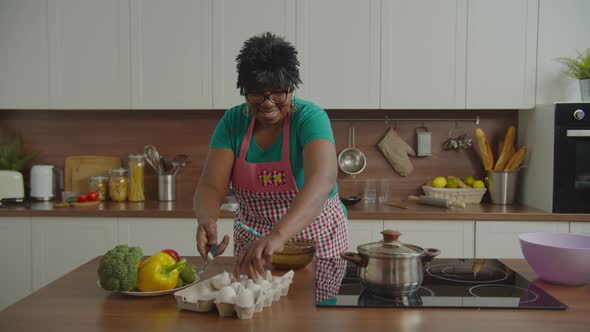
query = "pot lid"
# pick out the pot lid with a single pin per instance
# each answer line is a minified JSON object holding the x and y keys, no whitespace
{"x":390,"y":246}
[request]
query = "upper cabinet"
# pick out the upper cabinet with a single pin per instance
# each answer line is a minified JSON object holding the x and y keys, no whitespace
{"x":181,"y":54}
{"x":423,"y":54}
{"x":171,"y":54}
{"x":23,"y":54}
{"x":235,"y":21}
{"x":338,"y":43}
{"x":89,"y":54}
{"x":501,"y":53}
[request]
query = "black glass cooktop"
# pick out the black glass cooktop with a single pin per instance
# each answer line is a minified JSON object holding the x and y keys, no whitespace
{"x":453,"y":283}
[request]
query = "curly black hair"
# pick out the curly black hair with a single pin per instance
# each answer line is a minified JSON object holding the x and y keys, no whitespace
{"x":267,"y":60}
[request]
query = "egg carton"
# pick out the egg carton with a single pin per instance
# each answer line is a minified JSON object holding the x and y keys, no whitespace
{"x":229,"y":297}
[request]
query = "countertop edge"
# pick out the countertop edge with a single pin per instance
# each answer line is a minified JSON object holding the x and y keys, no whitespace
{"x":482,"y":212}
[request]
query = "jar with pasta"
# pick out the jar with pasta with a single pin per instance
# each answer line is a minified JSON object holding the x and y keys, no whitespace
{"x":118,"y":183}
{"x":99,"y":183}
{"x":136,"y":168}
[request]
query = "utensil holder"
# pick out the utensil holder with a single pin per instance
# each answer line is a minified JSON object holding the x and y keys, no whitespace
{"x":502,"y":186}
{"x":167,"y":187}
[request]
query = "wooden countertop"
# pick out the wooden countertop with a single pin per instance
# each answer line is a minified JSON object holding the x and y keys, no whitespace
{"x":75,"y":303}
{"x":183,"y":209}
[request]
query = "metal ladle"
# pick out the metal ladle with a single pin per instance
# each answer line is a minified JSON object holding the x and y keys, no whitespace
{"x":351,"y":160}
{"x":180,"y":160}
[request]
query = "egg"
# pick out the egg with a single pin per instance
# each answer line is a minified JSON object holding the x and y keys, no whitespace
{"x":255,"y":289}
{"x":226,"y":295}
{"x":244,"y":298}
{"x":221,"y":280}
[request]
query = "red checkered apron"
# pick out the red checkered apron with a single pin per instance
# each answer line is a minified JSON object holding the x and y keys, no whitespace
{"x":265,"y":192}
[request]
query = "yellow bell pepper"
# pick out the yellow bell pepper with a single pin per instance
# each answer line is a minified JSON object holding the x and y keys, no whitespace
{"x":159,"y":272}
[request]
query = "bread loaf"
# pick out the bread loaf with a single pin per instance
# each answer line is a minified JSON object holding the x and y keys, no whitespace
{"x":485,"y":149}
{"x":505,"y":152}
{"x":516,"y":160}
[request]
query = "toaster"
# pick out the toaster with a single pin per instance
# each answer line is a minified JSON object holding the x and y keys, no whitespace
{"x":12,"y":188}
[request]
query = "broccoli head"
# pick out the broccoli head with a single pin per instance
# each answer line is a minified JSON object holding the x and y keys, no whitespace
{"x":117,"y":269}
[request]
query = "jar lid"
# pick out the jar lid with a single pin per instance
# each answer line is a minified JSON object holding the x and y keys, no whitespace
{"x":389,"y":247}
{"x":97,"y":178}
{"x":135,"y":156}
{"x":118,"y":171}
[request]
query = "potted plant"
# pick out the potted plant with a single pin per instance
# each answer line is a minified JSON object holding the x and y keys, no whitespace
{"x":10,"y":154}
{"x":579,"y":68}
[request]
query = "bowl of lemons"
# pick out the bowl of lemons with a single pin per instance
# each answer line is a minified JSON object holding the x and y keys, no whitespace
{"x":468,"y":190}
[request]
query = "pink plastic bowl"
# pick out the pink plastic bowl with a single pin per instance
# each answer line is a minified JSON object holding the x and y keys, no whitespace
{"x":558,"y":258}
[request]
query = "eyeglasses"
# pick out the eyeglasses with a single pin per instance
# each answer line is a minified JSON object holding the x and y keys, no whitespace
{"x":275,"y":97}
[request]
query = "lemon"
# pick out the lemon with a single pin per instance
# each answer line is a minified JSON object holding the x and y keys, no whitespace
{"x":439,"y":182}
{"x":478,"y":184}
{"x":469,"y":180}
{"x":452,"y":183}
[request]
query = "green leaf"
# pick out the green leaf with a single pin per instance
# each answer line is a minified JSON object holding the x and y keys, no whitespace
{"x":578,"y":67}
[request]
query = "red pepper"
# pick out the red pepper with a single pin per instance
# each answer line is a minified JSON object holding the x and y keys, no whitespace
{"x":172,"y":254}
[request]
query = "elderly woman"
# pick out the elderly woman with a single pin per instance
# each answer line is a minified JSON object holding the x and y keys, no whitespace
{"x":278,"y":152}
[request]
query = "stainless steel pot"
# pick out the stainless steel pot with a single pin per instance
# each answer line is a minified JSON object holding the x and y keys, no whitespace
{"x":390,"y":267}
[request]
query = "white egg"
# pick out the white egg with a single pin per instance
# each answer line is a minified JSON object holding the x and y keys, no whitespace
{"x":255,"y":289}
{"x":245,"y":298}
{"x":263,"y":283}
{"x":226,"y":295}
{"x":221,"y":280}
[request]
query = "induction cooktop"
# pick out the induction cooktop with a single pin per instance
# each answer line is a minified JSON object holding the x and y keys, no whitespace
{"x":453,"y":283}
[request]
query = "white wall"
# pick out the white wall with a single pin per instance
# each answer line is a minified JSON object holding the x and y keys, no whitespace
{"x":564,"y":27}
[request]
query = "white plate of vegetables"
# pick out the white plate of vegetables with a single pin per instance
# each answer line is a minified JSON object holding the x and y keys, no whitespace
{"x":120,"y":267}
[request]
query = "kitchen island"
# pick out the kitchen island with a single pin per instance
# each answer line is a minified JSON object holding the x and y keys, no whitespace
{"x":74,"y":302}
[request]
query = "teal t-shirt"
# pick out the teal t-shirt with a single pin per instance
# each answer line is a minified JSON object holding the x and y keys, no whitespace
{"x":308,"y":122}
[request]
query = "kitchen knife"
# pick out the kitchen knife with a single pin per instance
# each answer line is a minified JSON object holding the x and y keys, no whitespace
{"x":436,"y":201}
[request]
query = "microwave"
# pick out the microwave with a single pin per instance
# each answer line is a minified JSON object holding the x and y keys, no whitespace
{"x":557,"y":173}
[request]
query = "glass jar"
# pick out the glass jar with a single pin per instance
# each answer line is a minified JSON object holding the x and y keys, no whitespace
{"x":118,"y":183}
{"x":99,"y":183}
{"x":136,"y":168}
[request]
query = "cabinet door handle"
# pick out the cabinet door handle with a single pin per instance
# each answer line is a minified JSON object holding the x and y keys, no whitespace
{"x":578,"y":133}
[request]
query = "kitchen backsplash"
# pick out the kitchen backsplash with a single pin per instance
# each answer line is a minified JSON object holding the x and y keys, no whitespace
{"x":58,"y":134}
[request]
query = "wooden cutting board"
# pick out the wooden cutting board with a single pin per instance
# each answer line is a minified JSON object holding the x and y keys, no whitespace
{"x":79,"y":168}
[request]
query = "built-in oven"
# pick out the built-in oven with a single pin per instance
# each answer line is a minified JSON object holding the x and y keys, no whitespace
{"x":571,"y":158}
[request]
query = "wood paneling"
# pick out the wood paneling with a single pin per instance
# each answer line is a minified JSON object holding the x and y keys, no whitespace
{"x":58,"y":134}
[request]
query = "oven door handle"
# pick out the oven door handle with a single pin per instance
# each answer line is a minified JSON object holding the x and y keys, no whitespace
{"x":578,"y":133}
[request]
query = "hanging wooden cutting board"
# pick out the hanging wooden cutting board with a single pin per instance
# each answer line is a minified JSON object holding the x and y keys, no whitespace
{"x":79,"y":168}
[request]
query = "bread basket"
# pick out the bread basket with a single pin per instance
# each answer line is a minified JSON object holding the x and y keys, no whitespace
{"x":461,"y":195}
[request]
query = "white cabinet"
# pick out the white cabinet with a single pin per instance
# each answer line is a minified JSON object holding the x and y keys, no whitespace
{"x":23,"y":54}
{"x":501,"y":53}
{"x":61,"y":244}
{"x":580,"y":228}
{"x":155,"y":234}
{"x":171,"y":58}
{"x":499,"y":239}
{"x":338,"y":45}
{"x":89,"y":54}
{"x":234,"y":21}
{"x":455,"y":239}
{"x":362,"y":231}
{"x":564,"y":28}
{"x":15,"y":255}
{"x":423,"y":54}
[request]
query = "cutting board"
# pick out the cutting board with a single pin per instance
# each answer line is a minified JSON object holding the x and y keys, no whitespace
{"x":79,"y":168}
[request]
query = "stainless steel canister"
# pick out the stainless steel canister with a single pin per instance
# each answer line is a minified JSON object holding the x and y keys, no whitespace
{"x":167,"y":187}
{"x":502,"y":186}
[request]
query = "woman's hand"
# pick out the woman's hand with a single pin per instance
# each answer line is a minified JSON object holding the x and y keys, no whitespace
{"x":256,"y":258}
{"x":207,"y":237}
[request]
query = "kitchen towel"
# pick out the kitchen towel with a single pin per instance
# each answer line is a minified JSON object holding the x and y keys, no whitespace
{"x":396,"y":151}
